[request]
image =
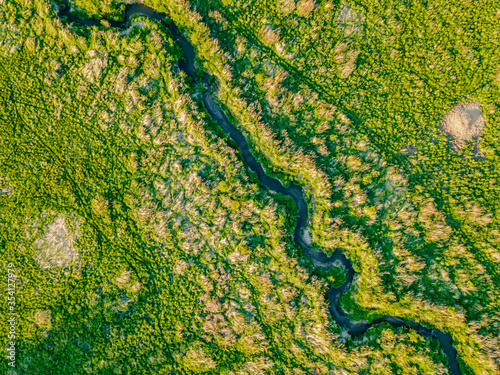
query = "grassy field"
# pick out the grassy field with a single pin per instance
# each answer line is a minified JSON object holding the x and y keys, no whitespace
{"x":356,"y":97}
{"x":143,"y":244}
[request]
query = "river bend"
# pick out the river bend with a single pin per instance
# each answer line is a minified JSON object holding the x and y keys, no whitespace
{"x":317,"y":257}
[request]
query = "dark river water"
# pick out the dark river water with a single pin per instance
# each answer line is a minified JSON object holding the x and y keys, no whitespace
{"x":317,"y":257}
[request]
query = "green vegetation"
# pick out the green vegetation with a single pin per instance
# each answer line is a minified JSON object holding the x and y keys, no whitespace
{"x":107,"y":9}
{"x":144,"y":245}
{"x":352,"y":96}
{"x":394,"y":352}
{"x":180,"y":265}
{"x":335,"y":276}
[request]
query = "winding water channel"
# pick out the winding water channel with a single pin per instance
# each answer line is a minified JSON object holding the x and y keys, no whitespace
{"x":317,"y":257}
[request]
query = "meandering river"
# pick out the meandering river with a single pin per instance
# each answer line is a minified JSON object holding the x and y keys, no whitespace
{"x":317,"y":257}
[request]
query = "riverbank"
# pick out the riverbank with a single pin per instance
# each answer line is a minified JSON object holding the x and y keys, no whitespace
{"x":317,"y":257}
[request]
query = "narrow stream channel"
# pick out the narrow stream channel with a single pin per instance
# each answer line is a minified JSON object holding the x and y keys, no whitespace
{"x":317,"y":257}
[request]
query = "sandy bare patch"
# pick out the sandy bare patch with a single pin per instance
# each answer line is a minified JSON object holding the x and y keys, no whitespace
{"x":55,"y":248}
{"x":307,"y":236}
{"x":464,"y":123}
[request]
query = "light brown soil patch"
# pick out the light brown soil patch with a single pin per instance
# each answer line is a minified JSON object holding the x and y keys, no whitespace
{"x":464,"y":123}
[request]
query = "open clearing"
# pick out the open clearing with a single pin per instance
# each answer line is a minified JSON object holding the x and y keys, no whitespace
{"x":464,"y":123}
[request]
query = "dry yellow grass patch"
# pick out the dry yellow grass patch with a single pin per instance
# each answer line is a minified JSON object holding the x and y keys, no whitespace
{"x":43,"y":318}
{"x":346,"y":58}
{"x":270,"y":36}
{"x":124,"y":278}
{"x":463,"y":123}
{"x":305,"y":7}
{"x":286,"y":6}
{"x":434,"y":222}
{"x":56,"y":247}
{"x":497,"y":76}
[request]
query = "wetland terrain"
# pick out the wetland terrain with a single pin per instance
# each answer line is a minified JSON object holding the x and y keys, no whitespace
{"x":221,"y":209}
